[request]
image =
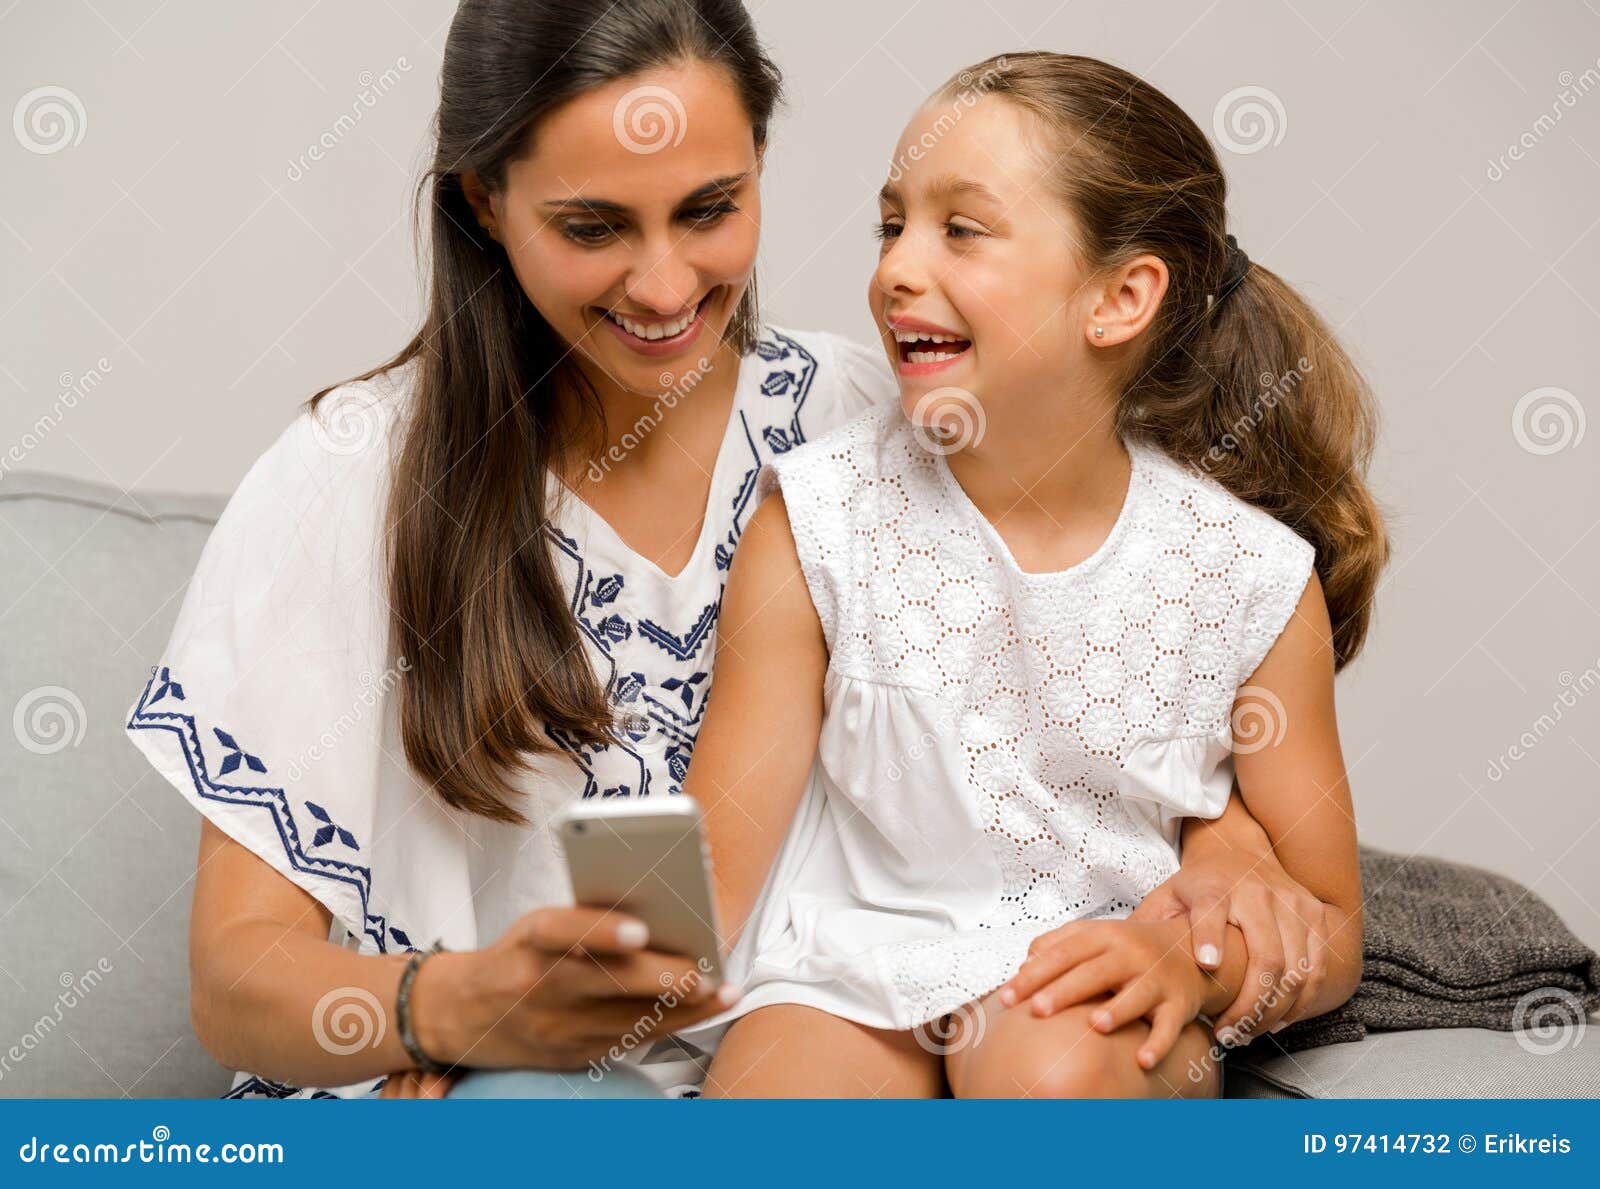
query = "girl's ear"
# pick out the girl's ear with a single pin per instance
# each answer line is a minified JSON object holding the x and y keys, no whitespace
{"x":1128,"y":302}
{"x":481,"y":201}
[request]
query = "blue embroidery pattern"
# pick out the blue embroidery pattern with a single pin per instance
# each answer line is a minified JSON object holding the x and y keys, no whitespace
{"x":663,"y":705}
{"x":164,"y":690}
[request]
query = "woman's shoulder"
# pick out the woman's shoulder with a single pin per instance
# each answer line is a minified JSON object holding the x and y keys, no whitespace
{"x":846,"y":378}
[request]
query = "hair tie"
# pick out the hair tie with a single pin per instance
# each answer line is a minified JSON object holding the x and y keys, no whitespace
{"x":1238,"y":265}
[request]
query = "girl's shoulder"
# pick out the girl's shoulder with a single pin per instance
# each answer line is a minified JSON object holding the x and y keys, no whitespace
{"x":1194,"y":512}
{"x":872,"y":447}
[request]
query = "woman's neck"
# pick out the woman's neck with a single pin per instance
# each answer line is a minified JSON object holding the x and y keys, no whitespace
{"x":644,"y":430}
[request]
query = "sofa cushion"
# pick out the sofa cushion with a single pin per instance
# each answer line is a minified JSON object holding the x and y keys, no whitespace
{"x":96,"y":854}
{"x":1430,"y":1063}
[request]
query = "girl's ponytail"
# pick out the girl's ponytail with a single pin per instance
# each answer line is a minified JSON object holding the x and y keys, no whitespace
{"x":1274,"y":410}
{"x":1239,"y":378}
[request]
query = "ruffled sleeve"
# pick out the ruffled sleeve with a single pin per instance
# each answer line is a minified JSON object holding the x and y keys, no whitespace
{"x":817,"y":489}
{"x":1279,"y":570}
{"x":1163,"y":781}
{"x":272,"y":708}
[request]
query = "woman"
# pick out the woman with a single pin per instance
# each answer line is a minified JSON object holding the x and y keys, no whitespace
{"x":484,"y":579}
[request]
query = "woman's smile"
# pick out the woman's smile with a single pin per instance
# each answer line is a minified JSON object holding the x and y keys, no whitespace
{"x":657,"y":336}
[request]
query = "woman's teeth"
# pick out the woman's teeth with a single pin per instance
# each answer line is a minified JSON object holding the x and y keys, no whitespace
{"x":654,"y":330}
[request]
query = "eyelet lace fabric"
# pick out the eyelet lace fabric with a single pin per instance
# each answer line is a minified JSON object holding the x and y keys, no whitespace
{"x":1054,"y":727}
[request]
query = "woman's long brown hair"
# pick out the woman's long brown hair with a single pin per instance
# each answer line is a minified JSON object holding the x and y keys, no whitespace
{"x":1253,"y":391}
{"x":497,"y":666}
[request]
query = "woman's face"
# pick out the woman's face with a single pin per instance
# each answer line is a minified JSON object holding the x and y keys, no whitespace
{"x":632,"y":223}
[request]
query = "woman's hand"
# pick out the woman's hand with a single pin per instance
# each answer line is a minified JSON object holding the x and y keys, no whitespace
{"x":1285,"y":927}
{"x":559,"y":990}
{"x":1145,"y":965}
{"x":413,"y":1083}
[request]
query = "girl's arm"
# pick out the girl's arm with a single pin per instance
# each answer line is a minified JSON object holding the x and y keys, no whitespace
{"x":1297,"y":789}
{"x":756,"y":746}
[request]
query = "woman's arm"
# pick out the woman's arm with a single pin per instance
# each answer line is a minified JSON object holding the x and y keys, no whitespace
{"x":270,"y":993}
{"x":1229,"y":873}
{"x":756,"y":746}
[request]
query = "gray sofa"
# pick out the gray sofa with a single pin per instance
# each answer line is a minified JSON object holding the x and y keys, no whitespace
{"x":97,"y":853}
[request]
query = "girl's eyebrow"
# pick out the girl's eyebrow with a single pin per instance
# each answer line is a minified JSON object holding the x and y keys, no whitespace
{"x":945,"y":186}
{"x":604,"y":206}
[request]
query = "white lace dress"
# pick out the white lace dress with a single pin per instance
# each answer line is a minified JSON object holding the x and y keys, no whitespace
{"x":1002,"y":751}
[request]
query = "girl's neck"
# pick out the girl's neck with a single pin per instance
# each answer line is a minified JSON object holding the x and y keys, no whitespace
{"x":1051,"y":482}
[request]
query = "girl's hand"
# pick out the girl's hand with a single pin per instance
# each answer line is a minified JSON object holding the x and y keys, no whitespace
{"x":1285,"y":928}
{"x":559,"y":990}
{"x":1146,"y":965}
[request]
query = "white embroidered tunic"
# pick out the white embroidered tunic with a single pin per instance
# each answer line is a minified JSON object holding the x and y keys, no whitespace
{"x":274,"y":708}
{"x":1002,"y":751}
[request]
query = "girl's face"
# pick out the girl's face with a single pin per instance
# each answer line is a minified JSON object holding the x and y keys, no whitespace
{"x":976,"y":249}
{"x":632,"y":222}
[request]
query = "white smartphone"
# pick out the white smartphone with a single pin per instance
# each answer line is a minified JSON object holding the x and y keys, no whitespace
{"x":649,"y":859}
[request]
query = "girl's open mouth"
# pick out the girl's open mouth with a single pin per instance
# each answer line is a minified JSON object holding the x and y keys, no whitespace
{"x":922,"y":353}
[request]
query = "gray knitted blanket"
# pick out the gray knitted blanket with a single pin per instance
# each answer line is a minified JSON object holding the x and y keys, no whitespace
{"x":1452,"y":946}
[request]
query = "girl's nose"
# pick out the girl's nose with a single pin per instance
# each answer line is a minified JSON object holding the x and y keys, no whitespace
{"x":665,"y":283}
{"x":900,"y":269}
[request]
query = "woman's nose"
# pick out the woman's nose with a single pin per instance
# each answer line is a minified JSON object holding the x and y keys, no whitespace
{"x":665,"y":283}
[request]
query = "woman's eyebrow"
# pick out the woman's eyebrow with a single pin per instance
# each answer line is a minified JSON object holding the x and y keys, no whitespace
{"x":605,"y":206}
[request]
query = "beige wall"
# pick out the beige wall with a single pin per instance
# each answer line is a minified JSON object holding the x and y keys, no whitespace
{"x":173,"y":283}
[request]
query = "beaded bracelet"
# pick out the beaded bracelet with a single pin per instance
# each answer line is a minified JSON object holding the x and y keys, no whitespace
{"x":402,"y":1014}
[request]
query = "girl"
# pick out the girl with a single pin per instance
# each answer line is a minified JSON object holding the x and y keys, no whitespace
{"x":1118,"y":508}
{"x":485,"y":580}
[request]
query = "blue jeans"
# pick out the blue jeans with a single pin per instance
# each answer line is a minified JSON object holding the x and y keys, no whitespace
{"x":618,"y":1082}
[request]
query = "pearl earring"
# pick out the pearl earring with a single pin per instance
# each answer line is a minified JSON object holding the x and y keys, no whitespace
{"x":1099,"y":332}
